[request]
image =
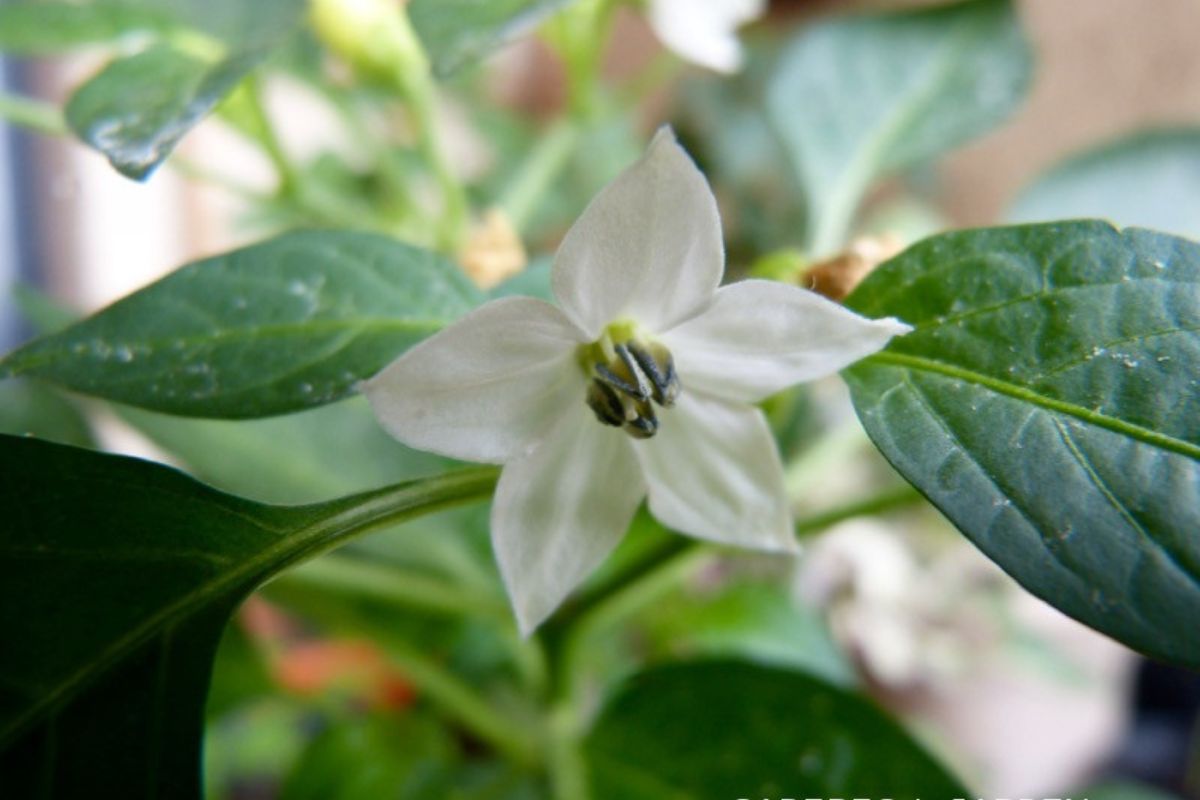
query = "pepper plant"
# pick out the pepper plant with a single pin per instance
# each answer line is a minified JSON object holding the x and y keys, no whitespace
{"x":1036,"y":383}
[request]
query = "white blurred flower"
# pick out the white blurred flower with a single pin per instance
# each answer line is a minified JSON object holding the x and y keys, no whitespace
{"x":640,"y":383}
{"x":705,"y":31}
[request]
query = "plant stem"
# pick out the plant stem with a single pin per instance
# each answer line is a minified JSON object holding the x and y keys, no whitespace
{"x":32,"y":114}
{"x":269,"y":139}
{"x":393,"y":585}
{"x":461,"y":702}
{"x":417,"y":89}
{"x":538,"y":171}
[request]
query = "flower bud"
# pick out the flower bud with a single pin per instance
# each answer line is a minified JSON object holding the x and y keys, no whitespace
{"x":374,"y":36}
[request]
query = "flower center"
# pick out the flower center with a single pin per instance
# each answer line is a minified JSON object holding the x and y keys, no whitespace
{"x":628,"y":370}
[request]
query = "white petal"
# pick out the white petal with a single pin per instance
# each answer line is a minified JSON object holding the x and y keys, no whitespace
{"x":487,"y":387}
{"x":704,"y":31}
{"x":647,"y":247}
{"x":759,"y":337}
{"x":712,"y":471}
{"x":560,"y":510}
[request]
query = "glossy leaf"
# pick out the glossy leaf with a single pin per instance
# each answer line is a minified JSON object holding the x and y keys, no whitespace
{"x":1048,"y":403}
{"x":730,"y":729}
{"x":117,"y":577}
{"x":861,"y":96}
{"x":283,"y":325}
{"x":455,"y":32}
{"x":138,"y":108}
{"x":1150,"y":179}
{"x":38,"y":26}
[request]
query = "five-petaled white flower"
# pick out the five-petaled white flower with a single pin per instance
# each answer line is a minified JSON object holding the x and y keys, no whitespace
{"x":704,"y":31}
{"x":640,"y":384}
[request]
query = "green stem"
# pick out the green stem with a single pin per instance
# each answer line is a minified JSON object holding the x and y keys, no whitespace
{"x":568,"y":777}
{"x":417,"y":89}
{"x":328,"y":525}
{"x":354,"y":577}
{"x":538,"y":171}
{"x":269,"y":139}
{"x":462,"y":703}
{"x":32,"y":114}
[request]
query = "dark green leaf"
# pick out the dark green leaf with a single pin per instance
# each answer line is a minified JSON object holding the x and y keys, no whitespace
{"x":728,"y":729}
{"x":117,"y":577}
{"x":858,"y":97}
{"x":455,"y":32}
{"x":1151,"y":180}
{"x":1049,"y":404}
{"x":287,"y":324}
{"x":139,"y":107}
{"x":36,"y":27}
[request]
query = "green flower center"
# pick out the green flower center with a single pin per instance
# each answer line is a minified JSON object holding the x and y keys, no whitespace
{"x":629,"y":370}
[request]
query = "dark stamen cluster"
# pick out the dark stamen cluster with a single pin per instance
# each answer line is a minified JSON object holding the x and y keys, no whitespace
{"x":621,"y":390}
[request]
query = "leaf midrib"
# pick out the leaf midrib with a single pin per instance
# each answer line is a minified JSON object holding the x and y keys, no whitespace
{"x":308,"y":539}
{"x":1114,"y":424}
{"x":55,"y":350}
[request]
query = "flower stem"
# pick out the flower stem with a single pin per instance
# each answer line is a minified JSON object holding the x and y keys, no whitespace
{"x":32,"y":114}
{"x":269,"y":139}
{"x":417,"y":89}
{"x":538,"y":171}
{"x":393,"y":585}
{"x":460,"y":701}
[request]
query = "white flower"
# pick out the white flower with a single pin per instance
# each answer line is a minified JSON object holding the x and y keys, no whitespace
{"x":704,"y":31}
{"x":639,"y":384}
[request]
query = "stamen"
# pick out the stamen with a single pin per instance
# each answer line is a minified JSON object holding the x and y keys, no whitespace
{"x":658,"y":365}
{"x":628,"y":372}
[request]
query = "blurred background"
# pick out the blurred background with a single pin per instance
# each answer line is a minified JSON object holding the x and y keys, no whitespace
{"x":1005,"y":689}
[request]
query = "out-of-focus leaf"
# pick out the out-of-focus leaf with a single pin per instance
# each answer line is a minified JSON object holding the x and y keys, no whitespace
{"x":756,"y":621}
{"x":287,"y":324}
{"x":728,"y":729}
{"x":1150,"y":179}
{"x":533,"y":281}
{"x":36,"y":26}
{"x":456,"y":32}
{"x":311,"y":455}
{"x":239,"y":673}
{"x":407,"y":758}
{"x":117,"y":577}
{"x":138,"y":108}
{"x":1124,"y":791}
{"x":859,"y":97}
{"x":1048,"y":403}
{"x":27,"y":409}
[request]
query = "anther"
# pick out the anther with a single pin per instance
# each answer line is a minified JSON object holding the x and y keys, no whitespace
{"x":658,"y":365}
{"x":628,"y":376}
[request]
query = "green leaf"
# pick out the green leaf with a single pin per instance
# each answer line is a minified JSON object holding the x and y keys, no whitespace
{"x":117,"y":577}
{"x":33,"y":28}
{"x":1125,"y":791}
{"x":730,"y":729}
{"x":1048,"y":404}
{"x":859,"y":97}
{"x":311,"y":455}
{"x":456,"y":32}
{"x":283,"y":325}
{"x":1150,"y":179}
{"x":27,"y":409}
{"x":408,"y":758}
{"x":138,"y":108}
